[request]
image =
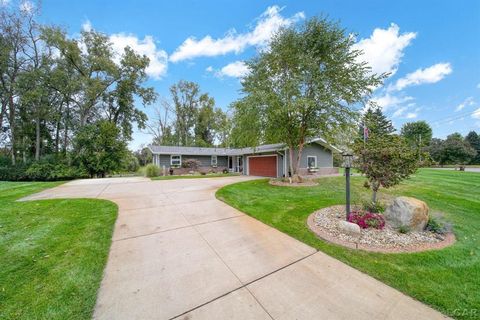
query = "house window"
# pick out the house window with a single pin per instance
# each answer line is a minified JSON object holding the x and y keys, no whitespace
{"x":214,"y":161}
{"x":312,"y":161}
{"x":175,"y":160}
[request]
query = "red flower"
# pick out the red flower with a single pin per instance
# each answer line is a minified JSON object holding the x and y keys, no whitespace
{"x":367,"y":219}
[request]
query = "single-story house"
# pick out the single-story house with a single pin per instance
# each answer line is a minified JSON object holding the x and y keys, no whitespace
{"x":270,"y":160}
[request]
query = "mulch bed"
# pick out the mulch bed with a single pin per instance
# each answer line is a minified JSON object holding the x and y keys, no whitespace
{"x":324,"y":223}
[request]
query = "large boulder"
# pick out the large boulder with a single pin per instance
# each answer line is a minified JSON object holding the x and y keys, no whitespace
{"x":407,"y":212}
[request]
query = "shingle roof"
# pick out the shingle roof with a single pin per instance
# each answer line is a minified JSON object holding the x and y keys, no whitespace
{"x":194,"y":151}
{"x":198,"y":151}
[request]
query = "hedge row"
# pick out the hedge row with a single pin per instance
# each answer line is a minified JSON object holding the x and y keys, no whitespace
{"x":40,"y":171}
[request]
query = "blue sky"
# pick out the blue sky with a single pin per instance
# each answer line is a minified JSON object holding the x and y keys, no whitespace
{"x":431,"y":47}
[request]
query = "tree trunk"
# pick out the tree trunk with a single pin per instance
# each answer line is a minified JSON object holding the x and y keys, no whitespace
{"x":37,"y":139}
{"x":290,"y":156}
{"x":12,"y":129}
{"x":3,"y":111}
{"x":295,"y":176}
{"x":65,"y":137}
{"x":24,"y":154}
{"x":374,"y":192}
{"x":57,"y":137}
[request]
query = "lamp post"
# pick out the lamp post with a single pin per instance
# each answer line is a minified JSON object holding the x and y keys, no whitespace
{"x":347,"y":164}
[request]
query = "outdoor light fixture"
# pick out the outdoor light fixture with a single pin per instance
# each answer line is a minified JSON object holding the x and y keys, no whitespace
{"x":347,"y":164}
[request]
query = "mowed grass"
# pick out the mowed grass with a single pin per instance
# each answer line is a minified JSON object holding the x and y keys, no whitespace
{"x":196,"y":176}
{"x":448,"y":279}
{"x":52,"y":253}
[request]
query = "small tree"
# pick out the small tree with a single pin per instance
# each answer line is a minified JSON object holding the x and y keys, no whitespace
{"x":100,"y":148}
{"x":385,"y":161}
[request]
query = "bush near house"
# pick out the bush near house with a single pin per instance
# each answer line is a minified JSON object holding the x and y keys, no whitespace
{"x":152,"y":170}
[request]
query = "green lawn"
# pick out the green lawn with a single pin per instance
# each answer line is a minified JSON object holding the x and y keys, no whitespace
{"x":448,"y":279}
{"x":52,"y":253}
{"x":196,"y":176}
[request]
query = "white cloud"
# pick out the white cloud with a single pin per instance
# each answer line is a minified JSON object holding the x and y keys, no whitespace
{"x":411,"y":115}
{"x":87,"y":26}
{"x":431,"y":74}
{"x":237,"y":69}
{"x":146,"y":46}
{"x":26,"y":6}
{"x":467,"y":103}
{"x":389,"y":101}
{"x":209,"y":69}
{"x":399,"y":112}
{"x":267,"y":24}
{"x":4,"y":2}
{"x":384,"y":49}
{"x":476,"y":114}
{"x":158,"y":58}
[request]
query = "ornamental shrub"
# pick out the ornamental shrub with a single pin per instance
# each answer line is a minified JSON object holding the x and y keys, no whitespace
{"x":437,"y":225}
{"x":192,"y":164}
{"x":46,"y":171}
{"x":375,"y":207}
{"x":152,"y":170}
{"x":366,"y":219}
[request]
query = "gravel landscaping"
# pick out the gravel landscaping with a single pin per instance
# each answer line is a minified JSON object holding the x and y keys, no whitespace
{"x":325,"y":223}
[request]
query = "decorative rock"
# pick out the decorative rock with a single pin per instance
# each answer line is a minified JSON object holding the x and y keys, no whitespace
{"x":408,"y":212}
{"x":350,"y":228}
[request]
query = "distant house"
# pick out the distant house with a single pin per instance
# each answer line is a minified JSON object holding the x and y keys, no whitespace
{"x":270,"y":160}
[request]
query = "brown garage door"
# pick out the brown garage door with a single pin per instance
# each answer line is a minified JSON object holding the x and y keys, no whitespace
{"x":262,"y":166}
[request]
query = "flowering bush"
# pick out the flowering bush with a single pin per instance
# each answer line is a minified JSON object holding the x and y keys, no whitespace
{"x":367,"y":219}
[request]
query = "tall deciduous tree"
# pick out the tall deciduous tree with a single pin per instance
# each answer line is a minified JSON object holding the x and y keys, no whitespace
{"x":190,"y":119}
{"x":418,"y":135}
{"x":100,"y":148}
{"x":185,"y":96}
{"x":303,"y":86}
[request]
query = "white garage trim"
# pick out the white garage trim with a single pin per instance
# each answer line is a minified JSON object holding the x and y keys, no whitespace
{"x":262,"y":155}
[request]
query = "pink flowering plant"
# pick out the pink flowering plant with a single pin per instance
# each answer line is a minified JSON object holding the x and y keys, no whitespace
{"x":366,"y":219}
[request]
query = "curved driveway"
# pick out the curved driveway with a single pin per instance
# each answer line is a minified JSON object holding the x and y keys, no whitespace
{"x":179,"y":253}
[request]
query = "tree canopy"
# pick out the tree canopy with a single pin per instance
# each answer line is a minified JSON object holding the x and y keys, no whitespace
{"x":304,"y":86}
{"x":385,"y":160}
{"x":54,"y":85}
{"x":375,"y":122}
{"x":100,"y":148}
{"x":474,"y":140}
{"x":189,"y":118}
{"x":418,"y":134}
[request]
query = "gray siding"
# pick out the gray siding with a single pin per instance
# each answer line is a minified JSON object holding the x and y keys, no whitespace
{"x":205,"y":161}
{"x":324,"y":156}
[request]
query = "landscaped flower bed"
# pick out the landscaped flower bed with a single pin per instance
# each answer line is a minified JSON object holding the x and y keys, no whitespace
{"x":375,"y":234}
{"x":367,"y":219}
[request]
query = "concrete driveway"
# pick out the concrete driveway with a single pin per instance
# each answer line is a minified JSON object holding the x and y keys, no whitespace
{"x":178,"y":253}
